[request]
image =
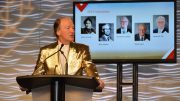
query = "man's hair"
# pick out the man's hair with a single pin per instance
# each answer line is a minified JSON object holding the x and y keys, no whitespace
{"x":160,"y":17}
{"x":106,"y":24}
{"x":143,"y":25}
{"x":57,"y":24}
{"x":124,"y":17}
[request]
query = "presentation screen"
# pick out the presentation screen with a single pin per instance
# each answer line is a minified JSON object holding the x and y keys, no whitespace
{"x":127,"y":31}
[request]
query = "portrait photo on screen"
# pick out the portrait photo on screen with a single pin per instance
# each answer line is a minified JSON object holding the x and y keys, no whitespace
{"x":88,"y":25}
{"x":124,"y":24}
{"x":161,"y":24}
{"x":106,"y":32}
{"x":142,"y":31}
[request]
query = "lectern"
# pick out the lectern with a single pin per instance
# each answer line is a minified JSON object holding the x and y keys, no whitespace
{"x":57,"y":85}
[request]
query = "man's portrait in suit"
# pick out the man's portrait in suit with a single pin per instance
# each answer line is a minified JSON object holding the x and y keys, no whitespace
{"x":106,"y":32}
{"x":160,"y":24}
{"x":142,"y":32}
{"x":124,"y":24}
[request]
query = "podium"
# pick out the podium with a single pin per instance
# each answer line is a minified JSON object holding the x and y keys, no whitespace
{"x":57,"y":86}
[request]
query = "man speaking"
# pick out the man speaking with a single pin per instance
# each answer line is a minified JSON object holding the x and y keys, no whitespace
{"x":65,"y":56}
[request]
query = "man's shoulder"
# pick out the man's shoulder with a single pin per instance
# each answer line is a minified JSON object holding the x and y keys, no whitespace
{"x":119,"y":30}
{"x":49,"y":46}
{"x":79,"y":45}
{"x":166,"y":29}
{"x":147,"y":34}
{"x":129,"y":30}
{"x":102,"y":38}
{"x":137,"y":34}
{"x":155,"y":30}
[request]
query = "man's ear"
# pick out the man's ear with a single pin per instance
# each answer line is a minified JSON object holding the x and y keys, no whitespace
{"x":58,"y":33}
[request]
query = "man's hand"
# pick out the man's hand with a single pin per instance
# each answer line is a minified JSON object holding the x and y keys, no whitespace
{"x":101,"y":84}
{"x":22,"y":89}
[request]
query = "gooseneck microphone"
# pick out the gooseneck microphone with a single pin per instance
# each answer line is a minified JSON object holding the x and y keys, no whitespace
{"x":54,"y":52}
{"x":66,"y":70}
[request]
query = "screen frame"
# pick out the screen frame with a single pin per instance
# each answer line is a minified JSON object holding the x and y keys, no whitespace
{"x":134,"y":60}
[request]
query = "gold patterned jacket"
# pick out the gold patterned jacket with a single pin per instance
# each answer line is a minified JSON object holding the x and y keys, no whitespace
{"x":79,"y":60}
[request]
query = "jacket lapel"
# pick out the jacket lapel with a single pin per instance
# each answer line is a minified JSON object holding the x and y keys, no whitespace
{"x":74,"y":61}
{"x":53,"y":61}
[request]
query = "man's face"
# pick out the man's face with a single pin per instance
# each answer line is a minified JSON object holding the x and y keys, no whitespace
{"x":66,"y":31}
{"x":106,"y":29}
{"x":88,"y":24}
{"x":160,"y":23}
{"x":124,"y":22}
{"x":141,"y":30}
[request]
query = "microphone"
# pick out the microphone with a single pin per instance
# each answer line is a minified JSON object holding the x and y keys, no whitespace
{"x":66,"y":71}
{"x":54,"y":52}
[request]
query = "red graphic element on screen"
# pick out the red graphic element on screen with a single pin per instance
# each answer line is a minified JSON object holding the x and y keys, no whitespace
{"x":171,"y":55}
{"x":81,"y":6}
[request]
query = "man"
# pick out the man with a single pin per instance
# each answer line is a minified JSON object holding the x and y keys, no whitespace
{"x":142,"y":34}
{"x":88,"y":29}
{"x":106,"y":33}
{"x":78,"y":56}
{"x":160,"y":21}
{"x":124,"y":26}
